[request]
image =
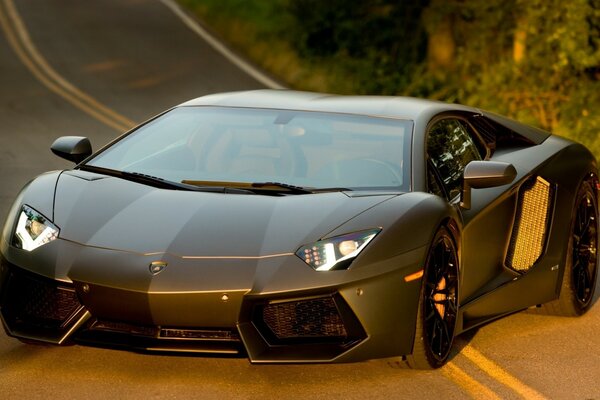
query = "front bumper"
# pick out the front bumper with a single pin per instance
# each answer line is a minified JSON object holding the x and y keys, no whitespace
{"x":363,"y":316}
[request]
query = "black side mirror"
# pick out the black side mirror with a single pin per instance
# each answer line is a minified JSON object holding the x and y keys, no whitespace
{"x":485,"y":174}
{"x":72,"y":148}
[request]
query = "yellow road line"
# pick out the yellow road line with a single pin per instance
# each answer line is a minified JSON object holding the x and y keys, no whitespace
{"x":473,"y":387}
{"x":41,"y":61}
{"x":499,"y":374}
{"x":21,"y":43}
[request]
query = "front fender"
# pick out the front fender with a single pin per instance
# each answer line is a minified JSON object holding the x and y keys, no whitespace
{"x":38,"y":194}
{"x":408,"y":221}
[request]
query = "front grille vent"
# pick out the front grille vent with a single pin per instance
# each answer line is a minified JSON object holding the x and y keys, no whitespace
{"x":40,"y":302}
{"x":124,"y":327}
{"x":199,"y":334}
{"x":311,"y":318}
{"x":165,"y":333}
{"x":531,"y":224}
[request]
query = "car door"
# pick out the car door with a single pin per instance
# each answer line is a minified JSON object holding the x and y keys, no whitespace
{"x":488,"y":287}
{"x":451,"y":144}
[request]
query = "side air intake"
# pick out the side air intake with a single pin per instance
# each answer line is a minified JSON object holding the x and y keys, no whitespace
{"x":531,"y":224}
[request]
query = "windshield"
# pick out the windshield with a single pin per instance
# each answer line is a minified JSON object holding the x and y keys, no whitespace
{"x":234,"y":145}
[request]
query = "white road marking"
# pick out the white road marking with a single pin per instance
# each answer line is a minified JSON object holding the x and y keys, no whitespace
{"x":220,"y":47}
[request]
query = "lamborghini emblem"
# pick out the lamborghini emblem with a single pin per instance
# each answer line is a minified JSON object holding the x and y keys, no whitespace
{"x":157,"y":267}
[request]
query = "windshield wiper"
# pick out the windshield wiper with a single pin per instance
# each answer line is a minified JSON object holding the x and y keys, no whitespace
{"x":185,"y":186}
{"x":145,"y":178}
{"x":157,"y":181}
{"x":298,"y":189}
{"x":332,"y":189}
{"x":278,"y":185}
{"x":275,"y":188}
{"x":262,"y":187}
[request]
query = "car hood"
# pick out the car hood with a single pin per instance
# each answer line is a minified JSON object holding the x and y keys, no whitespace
{"x":113,"y":213}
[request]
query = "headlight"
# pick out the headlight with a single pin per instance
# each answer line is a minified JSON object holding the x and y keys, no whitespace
{"x":337,"y":252}
{"x":33,"y":230}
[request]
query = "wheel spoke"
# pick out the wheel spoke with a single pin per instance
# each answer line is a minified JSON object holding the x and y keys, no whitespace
{"x":583,"y":288}
{"x":584,"y":259}
{"x":576,"y":240}
{"x":583,"y":211}
{"x":584,"y":228}
{"x":440,"y":265}
{"x":439,"y":337}
{"x":452,"y":306}
{"x":443,"y":337}
{"x":451,"y":282}
{"x":440,"y":297}
{"x":430,"y":286}
{"x":430,"y":314}
{"x":434,"y":341}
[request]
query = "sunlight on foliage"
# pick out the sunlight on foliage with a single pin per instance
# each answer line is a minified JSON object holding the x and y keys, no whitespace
{"x":537,"y":61}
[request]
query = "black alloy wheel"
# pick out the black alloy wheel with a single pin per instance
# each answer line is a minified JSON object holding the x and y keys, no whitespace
{"x":585,"y":245}
{"x":581,"y":267}
{"x":438,"y":306}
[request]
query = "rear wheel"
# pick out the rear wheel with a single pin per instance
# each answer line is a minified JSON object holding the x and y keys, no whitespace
{"x":581,"y":270}
{"x":438,"y":305}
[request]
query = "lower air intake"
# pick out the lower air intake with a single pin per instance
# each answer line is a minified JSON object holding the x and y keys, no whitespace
{"x":38,"y":301}
{"x":199,"y":334}
{"x":165,"y":333}
{"x":531,"y":224}
{"x":310,"y":318}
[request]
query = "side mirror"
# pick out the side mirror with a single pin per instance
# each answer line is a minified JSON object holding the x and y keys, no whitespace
{"x":485,"y":174}
{"x":72,"y":148}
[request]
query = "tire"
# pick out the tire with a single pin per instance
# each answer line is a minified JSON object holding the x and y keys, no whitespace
{"x":438,"y":305}
{"x":581,"y":269}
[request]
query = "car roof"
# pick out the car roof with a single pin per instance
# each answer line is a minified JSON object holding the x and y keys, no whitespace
{"x":381,"y":106}
{"x":421,"y":111}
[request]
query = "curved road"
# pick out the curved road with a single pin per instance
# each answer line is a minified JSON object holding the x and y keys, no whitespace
{"x":93,"y":68}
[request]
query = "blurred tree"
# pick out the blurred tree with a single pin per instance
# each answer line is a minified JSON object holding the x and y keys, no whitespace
{"x":380,"y":41}
{"x":535,"y":60}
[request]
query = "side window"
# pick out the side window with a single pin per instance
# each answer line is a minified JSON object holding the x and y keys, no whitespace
{"x":433,"y":184}
{"x":450,"y":148}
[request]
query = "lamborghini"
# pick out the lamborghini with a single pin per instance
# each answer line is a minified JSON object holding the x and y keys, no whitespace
{"x":301,"y":227}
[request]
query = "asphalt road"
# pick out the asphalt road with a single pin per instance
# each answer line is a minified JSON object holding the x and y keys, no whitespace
{"x":93,"y":68}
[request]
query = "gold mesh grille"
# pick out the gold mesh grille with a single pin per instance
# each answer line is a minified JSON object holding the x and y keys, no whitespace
{"x":531,"y":224}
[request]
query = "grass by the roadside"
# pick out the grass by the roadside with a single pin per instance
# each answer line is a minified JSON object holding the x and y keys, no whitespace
{"x":257,"y":30}
{"x":267,"y":32}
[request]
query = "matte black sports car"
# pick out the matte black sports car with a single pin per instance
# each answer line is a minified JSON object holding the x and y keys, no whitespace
{"x":301,"y":227}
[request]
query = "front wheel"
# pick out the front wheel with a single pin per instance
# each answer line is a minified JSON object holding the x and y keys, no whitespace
{"x":438,"y":305}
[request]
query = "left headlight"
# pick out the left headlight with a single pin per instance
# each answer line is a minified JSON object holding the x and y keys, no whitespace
{"x":337,"y":252}
{"x":33,"y":230}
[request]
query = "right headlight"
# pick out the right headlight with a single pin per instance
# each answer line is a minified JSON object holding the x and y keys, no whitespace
{"x":336,"y":252}
{"x":33,"y":230}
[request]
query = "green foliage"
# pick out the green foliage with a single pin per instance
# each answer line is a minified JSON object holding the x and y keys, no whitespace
{"x":375,"y":43}
{"x":261,"y":13}
{"x":537,"y":61}
{"x":554,"y":85}
{"x":358,"y":28}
